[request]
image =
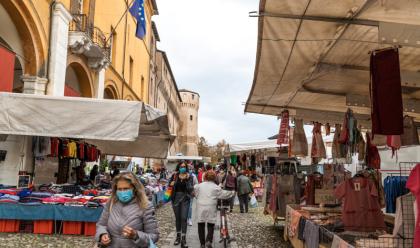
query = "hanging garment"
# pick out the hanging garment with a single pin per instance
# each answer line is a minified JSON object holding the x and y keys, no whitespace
{"x":81,"y":151}
{"x":289,"y":148}
{"x":288,"y":192}
{"x":337,"y":147}
{"x":273,"y":195}
{"x":233,"y":159}
{"x":41,"y":146}
{"x":328,"y":178}
{"x":394,"y":187}
{"x":314,"y":182}
{"x":385,"y":92}
{"x":361,"y":148}
{"x":394,"y":142}
{"x":361,"y":210}
{"x":327,"y":129}
{"x":283,"y":138}
{"x":72,"y":147}
{"x":318,"y":147}
{"x":373,"y":160}
{"x":55,"y":144}
{"x":299,"y":142}
{"x":410,"y":135}
{"x":413,"y":184}
{"x":344,"y":134}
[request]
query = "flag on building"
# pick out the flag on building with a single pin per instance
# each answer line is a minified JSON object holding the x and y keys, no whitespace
{"x":137,"y":10}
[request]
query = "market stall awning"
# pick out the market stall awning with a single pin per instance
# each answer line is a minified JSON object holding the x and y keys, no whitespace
{"x":313,"y":56}
{"x":117,"y":127}
{"x":251,"y":146}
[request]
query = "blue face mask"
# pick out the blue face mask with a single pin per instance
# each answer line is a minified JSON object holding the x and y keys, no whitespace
{"x":125,"y":195}
{"x":182,"y":170}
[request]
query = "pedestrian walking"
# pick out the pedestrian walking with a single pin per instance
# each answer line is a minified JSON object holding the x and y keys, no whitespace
{"x":244,"y":188}
{"x":207,"y":195}
{"x":195,"y":181}
{"x":183,"y":188}
{"x":230,"y":183}
{"x":128,"y":219}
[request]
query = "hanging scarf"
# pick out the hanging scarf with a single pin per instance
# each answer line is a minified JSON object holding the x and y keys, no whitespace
{"x":373,"y":160}
{"x":284,"y":129}
{"x":327,"y":129}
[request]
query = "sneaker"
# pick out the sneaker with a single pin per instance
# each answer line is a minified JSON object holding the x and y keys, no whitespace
{"x":190,"y":222}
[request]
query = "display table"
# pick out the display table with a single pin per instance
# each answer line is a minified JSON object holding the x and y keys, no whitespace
{"x":10,"y":211}
{"x":296,"y":210}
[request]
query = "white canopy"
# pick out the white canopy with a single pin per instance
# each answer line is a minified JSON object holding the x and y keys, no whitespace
{"x":192,"y":158}
{"x":117,"y":127}
{"x":313,"y":59}
{"x":259,"y":145}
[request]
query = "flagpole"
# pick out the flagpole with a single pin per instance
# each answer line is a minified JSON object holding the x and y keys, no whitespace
{"x":114,"y":28}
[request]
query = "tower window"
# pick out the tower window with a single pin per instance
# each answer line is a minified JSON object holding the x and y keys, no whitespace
{"x":191,"y":117}
{"x":193,"y":96}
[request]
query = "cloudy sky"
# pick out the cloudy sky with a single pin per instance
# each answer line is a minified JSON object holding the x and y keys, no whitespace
{"x":211,"y":45}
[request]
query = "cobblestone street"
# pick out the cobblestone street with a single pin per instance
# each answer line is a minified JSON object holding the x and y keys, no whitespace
{"x":249,"y":230}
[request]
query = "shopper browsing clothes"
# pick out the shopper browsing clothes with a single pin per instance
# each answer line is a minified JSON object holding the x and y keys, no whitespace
{"x":207,"y":194}
{"x":128,"y":219}
{"x":244,"y":188}
{"x":183,"y":189}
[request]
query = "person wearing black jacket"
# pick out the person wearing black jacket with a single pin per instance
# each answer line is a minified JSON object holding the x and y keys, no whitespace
{"x":183,"y":188}
{"x":230,"y":183}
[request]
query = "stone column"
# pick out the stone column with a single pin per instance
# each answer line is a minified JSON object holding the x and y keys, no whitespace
{"x":61,"y":18}
{"x":100,"y":84}
{"x":34,"y":85}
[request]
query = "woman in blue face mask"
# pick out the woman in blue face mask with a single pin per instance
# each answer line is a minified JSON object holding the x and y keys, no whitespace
{"x":128,"y":218}
{"x":183,"y":187}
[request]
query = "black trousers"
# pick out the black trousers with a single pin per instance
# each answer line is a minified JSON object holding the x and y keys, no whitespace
{"x":202,"y":232}
{"x":181,"y":206}
{"x":243,"y":202}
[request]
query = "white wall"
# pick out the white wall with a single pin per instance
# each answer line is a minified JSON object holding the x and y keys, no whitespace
{"x":14,"y":145}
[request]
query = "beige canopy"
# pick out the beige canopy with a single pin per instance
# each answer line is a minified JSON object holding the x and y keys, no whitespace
{"x":117,"y":127}
{"x":313,"y":56}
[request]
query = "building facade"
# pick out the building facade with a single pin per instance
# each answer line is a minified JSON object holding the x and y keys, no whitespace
{"x":83,"y":48}
{"x":188,"y":136}
{"x":167,"y":97}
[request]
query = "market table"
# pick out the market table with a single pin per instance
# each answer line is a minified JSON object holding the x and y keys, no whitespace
{"x":49,"y":219}
{"x":9,"y":211}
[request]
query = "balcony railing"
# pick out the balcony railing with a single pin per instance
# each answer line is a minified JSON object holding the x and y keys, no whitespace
{"x":80,"y":23}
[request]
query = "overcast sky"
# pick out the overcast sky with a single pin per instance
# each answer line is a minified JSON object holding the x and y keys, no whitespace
{"x":211,"y":45}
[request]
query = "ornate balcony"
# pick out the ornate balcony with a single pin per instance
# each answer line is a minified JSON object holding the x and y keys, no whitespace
{"x":90,"y":41}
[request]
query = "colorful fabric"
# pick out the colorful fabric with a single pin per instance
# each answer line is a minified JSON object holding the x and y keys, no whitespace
{"x":318,"y":147}
{"x":299,"y":143}
{"x":283,"y":137}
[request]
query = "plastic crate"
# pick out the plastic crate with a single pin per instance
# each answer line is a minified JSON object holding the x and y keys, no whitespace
{"x":26,"y":226}
{"x":89,"y":229}
{"x":43,"y":226}
{"x":9,"y":226}
{"x":72,"y":228}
